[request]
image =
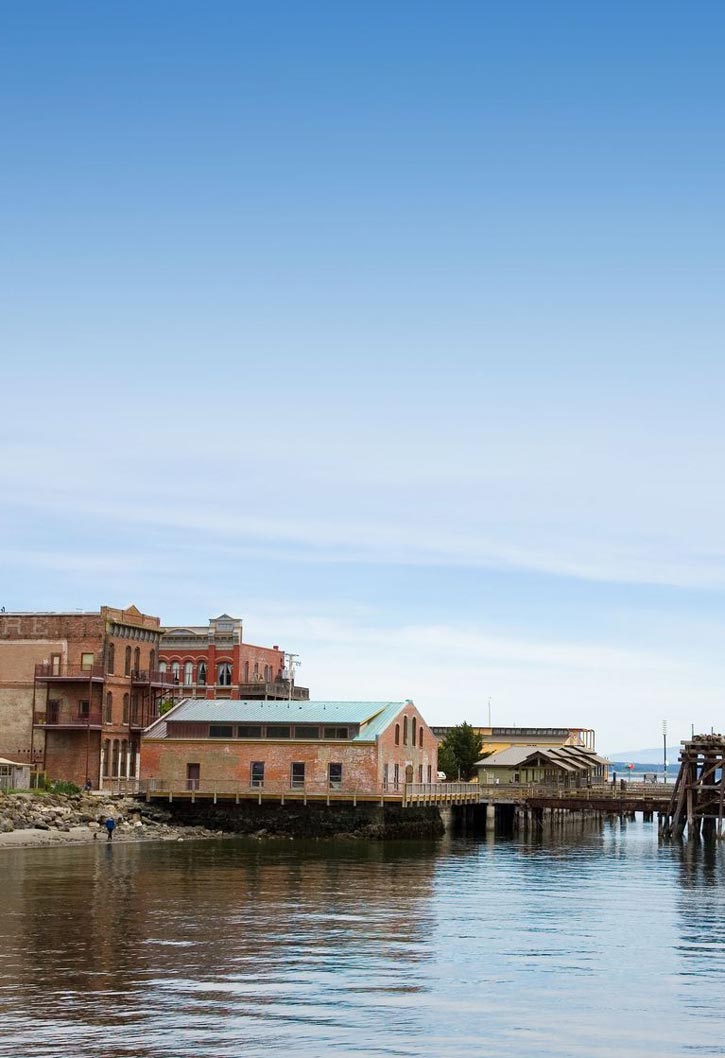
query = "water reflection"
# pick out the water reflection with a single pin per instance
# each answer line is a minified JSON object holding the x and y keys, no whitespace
{"x":587,"y":942}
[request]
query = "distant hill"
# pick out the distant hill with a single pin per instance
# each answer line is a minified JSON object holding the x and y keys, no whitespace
{"x":646,"y":756}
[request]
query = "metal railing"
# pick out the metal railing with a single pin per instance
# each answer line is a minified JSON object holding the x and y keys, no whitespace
{"x":67,"y":716}
{"x":63,"y":671}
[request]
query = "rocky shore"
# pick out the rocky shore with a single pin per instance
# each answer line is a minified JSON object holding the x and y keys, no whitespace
{"x":62,"y":819}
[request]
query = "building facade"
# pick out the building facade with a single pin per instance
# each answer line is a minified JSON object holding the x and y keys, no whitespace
{"x":214,"y":662}
{"x":314,"y":747}
{"x":498,"y":738}
{"x":77,"y":690}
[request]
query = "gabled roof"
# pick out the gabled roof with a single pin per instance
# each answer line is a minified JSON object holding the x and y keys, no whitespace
{"x":568,"y":758}
{"x":372,"y":717}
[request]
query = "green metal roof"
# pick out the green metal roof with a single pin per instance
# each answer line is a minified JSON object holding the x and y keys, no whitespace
{"x":373,"y":717}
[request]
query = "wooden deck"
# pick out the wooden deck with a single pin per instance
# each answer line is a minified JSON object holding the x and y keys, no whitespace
{"x":620,"y":798}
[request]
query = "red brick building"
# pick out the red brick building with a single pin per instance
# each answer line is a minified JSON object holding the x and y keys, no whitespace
{"x":278,"y":746}
{"x":214,"y":662}
{"x":77,"y":689}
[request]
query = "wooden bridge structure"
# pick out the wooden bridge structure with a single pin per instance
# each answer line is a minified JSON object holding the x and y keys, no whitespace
{"x":698,"y":797}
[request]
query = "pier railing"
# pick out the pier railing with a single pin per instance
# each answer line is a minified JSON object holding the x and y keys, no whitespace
{"x":407,"y":794}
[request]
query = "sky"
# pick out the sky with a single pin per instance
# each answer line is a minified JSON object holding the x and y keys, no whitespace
{"x":394,"y":328}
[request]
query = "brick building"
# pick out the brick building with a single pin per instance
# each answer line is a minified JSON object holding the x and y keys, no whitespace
{"x":214,"y":662}
{"x":282,"y":746}
{"x":77,"y":689}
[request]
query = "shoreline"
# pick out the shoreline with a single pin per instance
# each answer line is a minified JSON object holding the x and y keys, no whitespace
{"x":37,"y":820}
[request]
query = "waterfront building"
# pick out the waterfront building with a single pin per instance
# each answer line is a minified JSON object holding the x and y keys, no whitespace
{"x":77,"y":690}
{"x":213,"y":661}
{"x":14,"y":775}
{"x":553,"y":765}
{"x":226,"y":744}
{"x":498,"y":738}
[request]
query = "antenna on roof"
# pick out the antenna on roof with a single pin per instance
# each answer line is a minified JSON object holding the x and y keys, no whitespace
{"x":291,"y":664}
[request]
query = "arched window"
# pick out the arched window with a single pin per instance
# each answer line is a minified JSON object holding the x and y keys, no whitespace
{"x":109,"y":708}
{"x":420,"y":737}
{"x":188,"y":673}
{"x":127,"y":662}
{"x":106,"y":757}
{"x":246,"y":672}
{"x":162,"y":666}
{"x":175,"y":671}
{"x":201,"y":673}
{"x":224,"y":674}
{"x":110,"y":665}
{"x":413,"y":733}
{"x":137,"y":659}
{"x":126,"y":707}
{"x":397,"y":734}
{"x":124,"y":758}
{"x":405,"y":730}
{"x":152,"y":660}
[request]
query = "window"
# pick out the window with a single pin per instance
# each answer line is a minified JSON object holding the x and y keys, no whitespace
{"x":152,"y":660}
{"x":385,"y":776}
{"x":420,"y":773}
{"x":110,"y":658}
{"x":396,"y":776}
{"x":162,"y":666}
{"x":335,"y":732}
{"x":221,"y":731}
{"x":305,"y":731}
{"x":246,"y":672}
{"x":201,"y":673}
{"x":297,"y":775}
{"x":430,"y":770}
{"x":84,"y":709}
{"x":279,"y":731}
{"x":109,"y":708}
{"x":249,"y":731}
{"x":137,"y":659}
{"x":86,"y":662}
{"x":193,"y":776}
{"x":256,"y":772}
{"x":106,"y":756}
{"x":126,"y":702}
{"x":55,"y":660}
{"x":334,"y":776}
{"x":413,"y":733}
{"x":127,"y":662}
{"x":405,"y":730}
{"x":175,"y":671}
{"x":188,"y":673}
{"x":420,"y":737}
{"x":397,"y":734}
{"x":224,"y":674}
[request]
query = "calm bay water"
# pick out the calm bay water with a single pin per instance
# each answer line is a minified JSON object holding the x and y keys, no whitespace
{"x":597,"y":944}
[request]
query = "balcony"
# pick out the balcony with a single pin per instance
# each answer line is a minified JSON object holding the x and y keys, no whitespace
{"x":67,"y":715}
{"x":63,"y":671}
{"x":153,"y":678}
{"x":279,"y":690}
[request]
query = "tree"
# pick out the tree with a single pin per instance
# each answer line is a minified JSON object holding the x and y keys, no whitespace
{"x":459,"y":751}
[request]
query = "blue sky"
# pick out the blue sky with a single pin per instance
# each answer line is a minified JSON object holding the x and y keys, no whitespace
{"x":394,"y":328}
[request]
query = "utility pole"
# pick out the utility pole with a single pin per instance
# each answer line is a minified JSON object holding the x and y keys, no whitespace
{"x":664,"y":750}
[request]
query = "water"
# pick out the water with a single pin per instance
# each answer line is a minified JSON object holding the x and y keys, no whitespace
{"x":599,"y":944}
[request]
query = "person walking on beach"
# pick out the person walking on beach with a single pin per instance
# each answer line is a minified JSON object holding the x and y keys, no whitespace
{"x":110,"y":826}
